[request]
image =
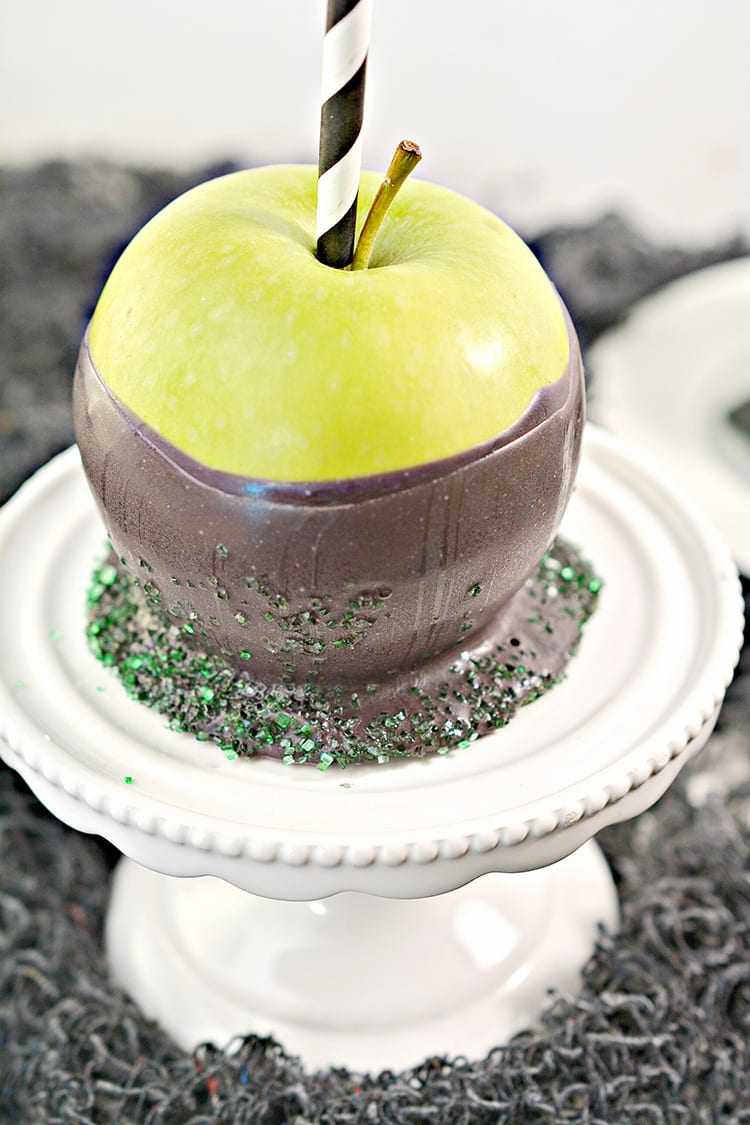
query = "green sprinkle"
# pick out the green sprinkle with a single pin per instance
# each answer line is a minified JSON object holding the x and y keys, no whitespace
{"x":205,"y":695}
{"x":55,"y":635}
{"x":108,"y":575}
{"x":128,"y":779}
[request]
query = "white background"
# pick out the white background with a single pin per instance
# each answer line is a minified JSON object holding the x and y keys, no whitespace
{"x":541,"y":109}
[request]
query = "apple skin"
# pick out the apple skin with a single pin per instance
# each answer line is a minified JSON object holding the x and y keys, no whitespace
{"x":349,"y":582}
{"x":219,"y":309}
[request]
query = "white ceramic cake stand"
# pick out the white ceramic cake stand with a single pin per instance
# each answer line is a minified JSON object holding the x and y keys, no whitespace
{"x":359,"y":979}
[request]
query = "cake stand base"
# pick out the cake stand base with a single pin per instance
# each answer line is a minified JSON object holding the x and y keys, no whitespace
{"x":355,"y":980}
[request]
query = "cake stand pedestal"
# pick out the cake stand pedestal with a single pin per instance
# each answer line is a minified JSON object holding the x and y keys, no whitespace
{"x":373,"y":916}
{"x":353,"y":979}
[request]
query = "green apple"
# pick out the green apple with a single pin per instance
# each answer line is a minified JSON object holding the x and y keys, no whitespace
{"x":221,"y":330}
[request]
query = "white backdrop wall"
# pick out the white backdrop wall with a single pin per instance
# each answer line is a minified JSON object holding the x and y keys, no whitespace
{"x":544,"y":110}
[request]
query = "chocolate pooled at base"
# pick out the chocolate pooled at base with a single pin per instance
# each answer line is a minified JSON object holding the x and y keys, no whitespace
{"x":446,"y":705}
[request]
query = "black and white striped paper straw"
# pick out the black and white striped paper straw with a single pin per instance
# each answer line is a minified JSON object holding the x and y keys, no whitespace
{"x":342,"y":102}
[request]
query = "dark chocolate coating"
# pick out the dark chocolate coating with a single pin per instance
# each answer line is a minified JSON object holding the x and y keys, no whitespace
{"x":344,"y":582}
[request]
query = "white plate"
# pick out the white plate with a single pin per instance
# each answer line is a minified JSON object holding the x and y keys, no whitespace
{"x":666,"y":379}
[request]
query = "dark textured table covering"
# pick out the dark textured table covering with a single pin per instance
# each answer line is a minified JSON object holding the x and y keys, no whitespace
{"x":660,"y":1031}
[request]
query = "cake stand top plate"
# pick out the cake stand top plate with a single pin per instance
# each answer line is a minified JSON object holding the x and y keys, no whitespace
{"x":651,"y":670}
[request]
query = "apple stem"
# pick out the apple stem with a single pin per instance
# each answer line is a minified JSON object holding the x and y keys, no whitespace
{"x":404,"y":161}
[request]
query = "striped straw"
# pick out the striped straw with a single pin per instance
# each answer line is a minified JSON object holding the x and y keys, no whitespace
{"x":342,"y":102}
